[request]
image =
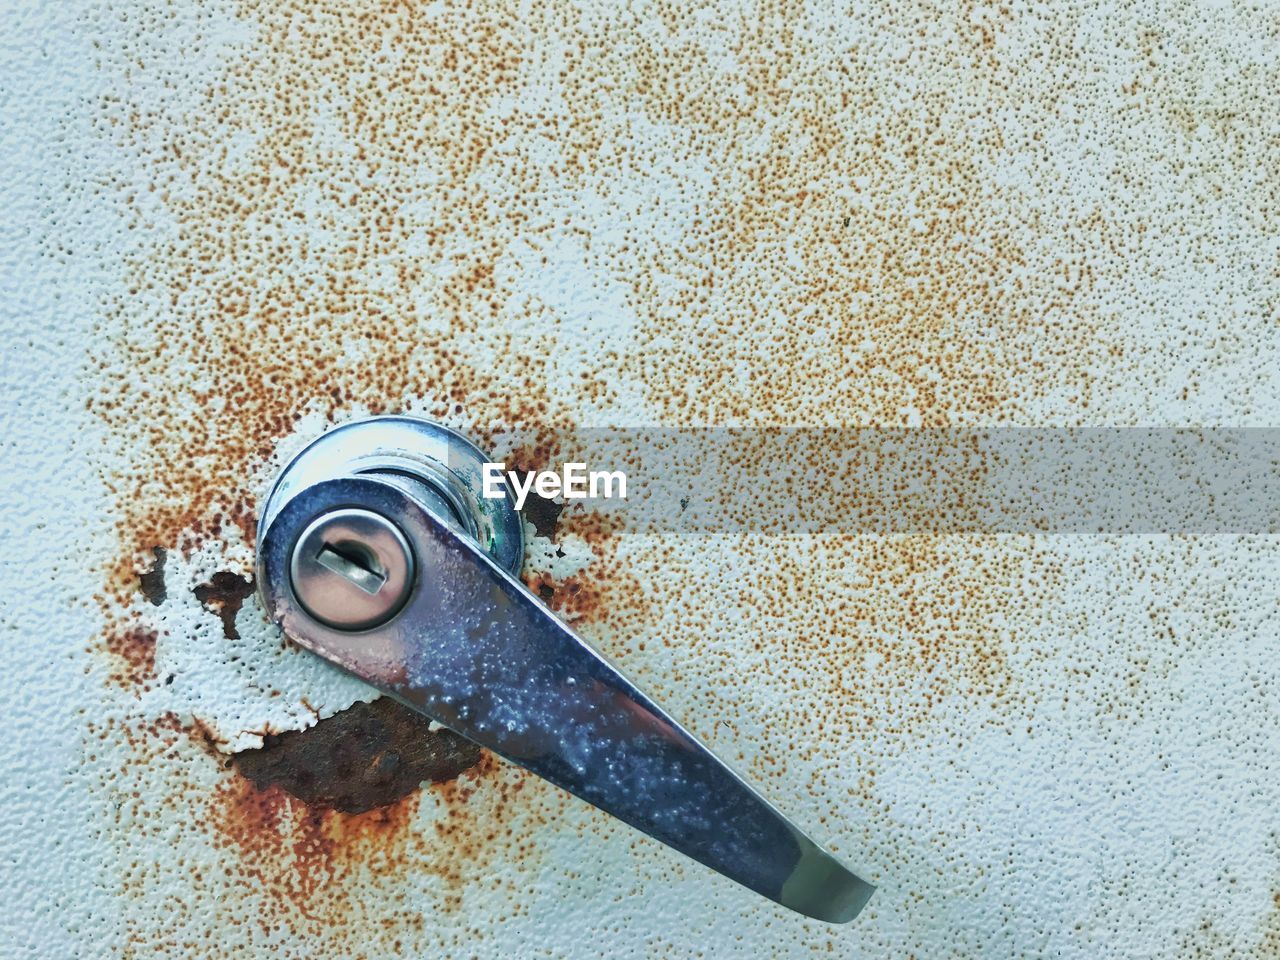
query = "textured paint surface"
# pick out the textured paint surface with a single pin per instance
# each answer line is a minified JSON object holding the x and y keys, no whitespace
{"x":232,"y":225}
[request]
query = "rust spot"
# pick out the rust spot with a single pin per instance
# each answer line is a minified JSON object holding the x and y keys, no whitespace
{"x":151,"y":581}
{"x":312,"y":862}
{"x":295,"y":852}
{"x":574,"y":598}
{"x":579,"y":598}
{"x":255,"y":864}
{"x":367,"y":756}
{"x":224,"y":594}
{"x":133,"y":651}
{"x":205,"y":735}
{"x":597,"y":529}
{"x":589,"y":596}
{"x":543,"y":513}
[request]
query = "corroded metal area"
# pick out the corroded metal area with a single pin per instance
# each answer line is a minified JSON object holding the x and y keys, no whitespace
{"x":366,"y":757}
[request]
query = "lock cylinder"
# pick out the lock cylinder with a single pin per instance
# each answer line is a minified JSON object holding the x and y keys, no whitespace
{"x":352,"y":569}
{"x":439,"y":467}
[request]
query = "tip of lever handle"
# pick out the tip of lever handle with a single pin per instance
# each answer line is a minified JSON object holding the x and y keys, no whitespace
{"x":823,"y":888}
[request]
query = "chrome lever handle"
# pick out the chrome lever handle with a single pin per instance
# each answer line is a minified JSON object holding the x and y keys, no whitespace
{"x":466,"y":644}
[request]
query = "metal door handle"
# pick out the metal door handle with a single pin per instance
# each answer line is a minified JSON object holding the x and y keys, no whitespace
{"x":377,"y":551}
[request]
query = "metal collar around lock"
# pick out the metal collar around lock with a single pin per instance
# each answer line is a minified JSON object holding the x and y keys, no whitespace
{"x":378,"y":551}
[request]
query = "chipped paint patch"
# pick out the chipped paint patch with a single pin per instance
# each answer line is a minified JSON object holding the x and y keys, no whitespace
{"x":365,"y":757}
{"x":224,"y":594}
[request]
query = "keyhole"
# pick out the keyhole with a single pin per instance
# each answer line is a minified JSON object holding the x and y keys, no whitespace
{"x":352,"y":569}
{"x":354,"y":562}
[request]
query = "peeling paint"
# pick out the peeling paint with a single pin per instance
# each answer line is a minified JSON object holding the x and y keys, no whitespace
{"x":367,"y":756}
{"x":224,"y":594}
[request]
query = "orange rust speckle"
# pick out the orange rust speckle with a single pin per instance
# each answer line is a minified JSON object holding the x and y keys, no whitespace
{"x":253,"y":866}
{"x":134,"y":654}
{"x":571,"y":597}
{"x":599,"y":596}
{"x":302,"y":854}
{"x":305,"y":858}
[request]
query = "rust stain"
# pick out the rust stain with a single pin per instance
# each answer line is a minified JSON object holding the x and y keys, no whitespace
{"x":218,"y":352}
{"x":596,"y":600}
{"x":1209,"y":938}
{"x":311,"y":859}
{"x":133,"y":653}
{"x":574,"y":598}
{"x":259,"y":866}
{"x":224,"y":594}
{"x":583,"y":599}
{"x":856,"y":265}
{"x":354,"y":321}
{"x":151,"y":581}
{"x":298,"y":853}
{"x":910,"y":288}
{"x":542,"y":512}
{"x":367,"y":756}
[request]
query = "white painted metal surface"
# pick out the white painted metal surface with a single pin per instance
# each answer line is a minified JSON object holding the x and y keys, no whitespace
{"x":230,"y":225}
